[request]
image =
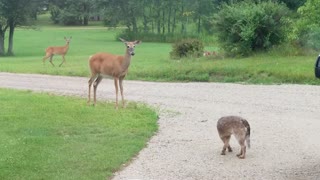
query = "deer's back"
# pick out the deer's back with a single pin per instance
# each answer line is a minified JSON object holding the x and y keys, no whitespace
{"x":105,"y":63}
{"x":57,"y":49}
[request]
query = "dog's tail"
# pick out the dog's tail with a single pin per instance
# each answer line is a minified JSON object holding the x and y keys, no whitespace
{"x":246,"y":124}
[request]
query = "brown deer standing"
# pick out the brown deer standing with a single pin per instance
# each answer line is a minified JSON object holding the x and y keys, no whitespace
{"x":111,"y":65}
{"x":60,"y":50}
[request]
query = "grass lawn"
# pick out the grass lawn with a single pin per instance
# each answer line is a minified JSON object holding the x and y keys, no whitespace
{"x":52,"y":137}
{"x":151,"y":62}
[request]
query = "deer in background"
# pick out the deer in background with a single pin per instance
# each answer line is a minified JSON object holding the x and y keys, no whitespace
{"x":116,"y":66}
{"x":57,"y":50}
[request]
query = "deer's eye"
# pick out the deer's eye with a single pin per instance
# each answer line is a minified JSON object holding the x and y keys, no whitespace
{"x":128,"y":46}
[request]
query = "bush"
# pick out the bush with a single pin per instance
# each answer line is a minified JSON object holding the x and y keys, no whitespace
{"x":187,"y":48}
{"x":55,"y":13}
{"x":306,"y":31}
{"x":69,"y":18}
{"x":247,"y":26}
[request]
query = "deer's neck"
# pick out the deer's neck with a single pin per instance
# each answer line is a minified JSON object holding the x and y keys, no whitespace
{"x":126,"y":61}
{"x":66,"y":47}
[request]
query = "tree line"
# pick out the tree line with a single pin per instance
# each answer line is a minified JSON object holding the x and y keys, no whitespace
{"x":144,"y":16}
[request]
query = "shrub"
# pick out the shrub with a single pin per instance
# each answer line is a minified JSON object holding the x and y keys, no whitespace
{"x":306,"y":31}
{"x":247,"y":26}
{"x":69,"y":18}
{"x":187,"y":48}
{"x":55,"y":13}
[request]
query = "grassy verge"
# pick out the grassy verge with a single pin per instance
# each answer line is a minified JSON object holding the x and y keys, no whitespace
{"x":52,"y":137}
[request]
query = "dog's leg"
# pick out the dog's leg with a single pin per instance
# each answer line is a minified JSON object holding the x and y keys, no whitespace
{"x":242,"y":153}
{"x":225,"y":140}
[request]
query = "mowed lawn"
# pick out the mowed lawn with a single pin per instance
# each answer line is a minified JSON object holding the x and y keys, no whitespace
{"x":53,"y":137}
{"x":152,"y":61}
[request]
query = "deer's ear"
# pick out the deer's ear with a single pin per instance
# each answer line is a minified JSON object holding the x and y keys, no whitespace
{"x":137,"y":42}
{"x":122,"y":40}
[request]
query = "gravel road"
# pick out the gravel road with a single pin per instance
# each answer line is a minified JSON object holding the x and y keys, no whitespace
{"x":285,"y":123}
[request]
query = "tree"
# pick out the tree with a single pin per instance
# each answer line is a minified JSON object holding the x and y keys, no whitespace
{"x":247,"y":26}
{"x":71,"y":12}
{"x":3,"y":29}
{"x":306,"y":29}
{"x":15,"y":12}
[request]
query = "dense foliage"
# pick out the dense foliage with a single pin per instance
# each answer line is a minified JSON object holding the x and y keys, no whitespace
{"x":187,"y":48}
{"x":306,"y":31}
{"x":248,"y":26}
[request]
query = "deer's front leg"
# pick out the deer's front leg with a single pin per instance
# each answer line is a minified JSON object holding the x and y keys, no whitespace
{"x":62,"y":60}
{"x":51,"y":60}
{"x":121,"y":90}
{"x":117,"y":89}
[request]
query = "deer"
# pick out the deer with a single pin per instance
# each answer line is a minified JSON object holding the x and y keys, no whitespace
{"x":105,"y":64}
{"x":237,"y":126}
{"x":57,"y":50}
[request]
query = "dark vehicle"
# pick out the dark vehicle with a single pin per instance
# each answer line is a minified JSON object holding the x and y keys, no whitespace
{"x":317,"y":68}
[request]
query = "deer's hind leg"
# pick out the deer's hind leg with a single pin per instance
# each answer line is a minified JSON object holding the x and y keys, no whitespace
{"x":46,"y":57}
{"x":95,"y":86}
{"x":92,"y":78}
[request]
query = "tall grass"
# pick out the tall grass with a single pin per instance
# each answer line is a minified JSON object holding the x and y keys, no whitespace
{"x":51,"y":137}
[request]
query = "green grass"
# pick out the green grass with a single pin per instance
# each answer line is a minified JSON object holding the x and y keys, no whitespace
{"x":52,"y":137}
{"x":151,"y":62}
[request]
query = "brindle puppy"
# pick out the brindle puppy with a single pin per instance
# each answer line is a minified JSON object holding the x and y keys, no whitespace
{"x":237,"y":126}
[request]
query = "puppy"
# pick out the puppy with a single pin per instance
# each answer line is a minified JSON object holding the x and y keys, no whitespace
{"x":237,"y":126}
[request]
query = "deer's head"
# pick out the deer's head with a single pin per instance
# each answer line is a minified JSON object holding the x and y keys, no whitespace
{"x":68,"y":39}
{"x":130,"y":45}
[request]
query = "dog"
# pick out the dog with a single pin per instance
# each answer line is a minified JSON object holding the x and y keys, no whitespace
{"x":237,"y":126}
{"x":208,"y":53}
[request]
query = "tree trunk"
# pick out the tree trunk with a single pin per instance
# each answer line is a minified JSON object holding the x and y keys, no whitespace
{"x":10,"y":46}
{"x":163,"y":20}
{"x":86,"y":15}
{"x":169,"y":18}
{"x":183,"y":20}
{"x":174,"y":20}
{"x":145,"y":23}
{"x":158,"y":17}
{"x":133,"y":21}
{"x":2,"y":44}
{"x":145,"y":19}
{"x":2,"y":37}
{"x":85,"y":20}
{"x":199,"y":24}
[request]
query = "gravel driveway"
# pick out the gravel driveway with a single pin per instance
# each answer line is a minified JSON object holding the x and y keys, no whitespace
{"x":285,"y":123}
